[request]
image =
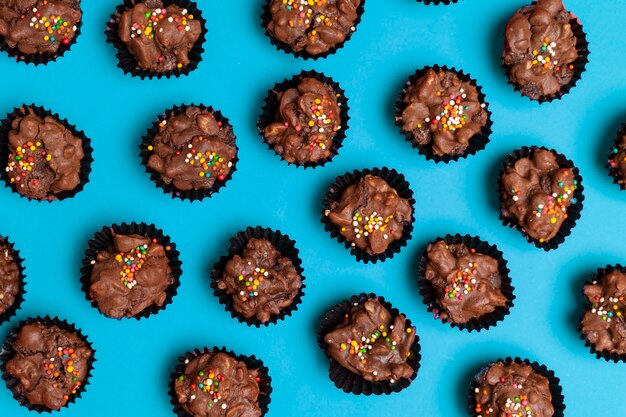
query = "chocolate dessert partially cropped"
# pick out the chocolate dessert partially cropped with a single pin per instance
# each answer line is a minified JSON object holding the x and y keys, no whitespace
{"x":305,"y":122}
{"x":535,"y":193}
{"x":617,"y":161}
{"x":513,"y":389}
{"x":130,"y":276}
{"x":370,"y":342}
{"x":467,"y":283}
{"x":193,"y":150}
{"x":50,"y":364}
{"x":215,"y":384}
{"x":312,"y":26}
{"x":540,"y":49}
{"x":160,"y":38}
{"x":443,"y":113}
{"x":10,"y":279}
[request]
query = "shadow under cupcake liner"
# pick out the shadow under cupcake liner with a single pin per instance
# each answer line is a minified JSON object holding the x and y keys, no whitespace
{"x":613,"y":171}
{"x":265,"y":384}
{"x":573,"y":211}
{"x":431,"y":299}
{"x":103,"y":241}
{"x":128,"y":63}
{"x":477,"y":143}
{"x":85,"y":163}
{"x":438,"y":2}
{"x":193,"y":194}
{"x":19,"y":298}
{"x":348,"y":381}
{"x":8,"y":352}
{"x":284,"y":245}
{"x":397,"y":182}
{"x":271,"y":104}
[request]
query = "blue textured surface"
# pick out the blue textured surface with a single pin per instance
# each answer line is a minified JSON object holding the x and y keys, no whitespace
{"x":394,"y":38}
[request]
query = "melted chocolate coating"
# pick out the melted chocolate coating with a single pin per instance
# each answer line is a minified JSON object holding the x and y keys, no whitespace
{"x":23,"y":24}
{"x":370,"y":214}
{"x":512,"y":390}
{"x":132,"y":275}
{"x":312,"y":26}
{"x":604,"y":324}
{"x":443,"y":112}
{"x":618,"y":161}
{"x":193,"y":150}
{"x":536,"y":193}
{"x":44,"y":157}
{"x":540,"y":48}
{"x":261,"y":282}
{"x":305,"y":123}
{"x":466,"y":282}
{"x":50,"y":364}
{"x":160,"y":38}
{"x":371,"y":343}
{"x":229,"y":388}
{"x":10,"y":282}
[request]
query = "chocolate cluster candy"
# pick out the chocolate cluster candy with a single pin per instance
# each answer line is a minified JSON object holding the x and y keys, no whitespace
{"x":50,"y":364}
{"x":312,"y":26}
{"x":536,"y":192}
{"x":305,"y":122}
{"x":370,"y":342}
{"x":160,"y":38}
{"x":10,"y":277}
{"x":467,"y":283}
{"x":442,"y":112}
{"x":214,"y":384}
{"x":604,"y":322}
{"x":193,"y":149}
{"x":39,"y":26}
{"x":540,"y":49}
{"x":617,"y":160}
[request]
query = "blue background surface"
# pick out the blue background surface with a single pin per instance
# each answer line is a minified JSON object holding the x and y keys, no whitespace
{"x":395,"y":38}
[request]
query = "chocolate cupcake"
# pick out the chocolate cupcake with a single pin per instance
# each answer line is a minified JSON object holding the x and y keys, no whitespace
{"x":443,"y":113}
{"x":465,"y":282}
{"x":516,"y":387}
{"x":12,"y":280}
{"x":304,"y":119}
{"x":617,"y":159}
{"x":190,"y":152}
{"x":545,"y":50}
{"x":46,"y":158}
{"x":217,"y":382}
{"x":260,"y":281}
{"x":157,"y":38}
{"x":603,"y":325}
{"x":372,"y":348}
{"x":39,"y":31}
{"x":311,"y":28}
{"x":46,"y":363}
{"x":130,"y":270}
{"x":541,"y":195}
{"x":371,"y":211}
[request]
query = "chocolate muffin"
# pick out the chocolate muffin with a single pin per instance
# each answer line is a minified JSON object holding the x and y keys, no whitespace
{"x":443,"y":113}
{"x":617,"y":159}
{"x":540,"y":49}
{"x":311,"y":28}
{"x":10,"y":278}
{"x":49,"y":362}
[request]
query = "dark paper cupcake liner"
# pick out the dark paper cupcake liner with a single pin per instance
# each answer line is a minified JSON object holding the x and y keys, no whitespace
{"x":437,"y":2}
{"x":573,"y":211}
{"x":396,"y":181}
{"x":285,"y":246}
{"x":597,"y":277}
{"x":8,"y":352}
{"x":348,"y":381}
{"x":431,"y":299}
{"x":45,"y":58}
{"x":148,"y":140}
{"x":582,"y":46}
{"x":19,"y":298}
{"x":477,"y":143}
{"x":266,"y":17}
{"x":85,"y":164}
{"x":126,"y":60}
{"x":613,"y":171}
{"x":103,"y":240}
{"x":272,"y":104}
{"x":265,"y":385}
{"x":558,"y":401}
